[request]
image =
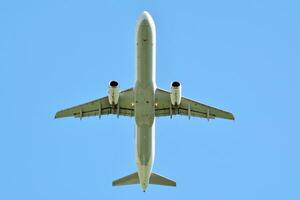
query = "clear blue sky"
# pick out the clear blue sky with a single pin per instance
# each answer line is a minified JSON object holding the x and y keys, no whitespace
{"x":242,"y":56}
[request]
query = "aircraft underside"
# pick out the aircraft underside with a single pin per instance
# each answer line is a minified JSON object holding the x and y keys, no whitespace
{"x":145,"y":102}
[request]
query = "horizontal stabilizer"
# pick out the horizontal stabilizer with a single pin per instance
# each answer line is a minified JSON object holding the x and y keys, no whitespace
{"x":160,"y":180}
{"x":127,"y":180}
{"x":134,"y":179}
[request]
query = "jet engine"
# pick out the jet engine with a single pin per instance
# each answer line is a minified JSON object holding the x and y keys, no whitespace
{"x":175,"y":93}
{"x":113,"y":93}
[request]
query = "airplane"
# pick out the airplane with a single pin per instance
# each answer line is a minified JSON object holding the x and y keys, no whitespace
{"x":145,"y":101}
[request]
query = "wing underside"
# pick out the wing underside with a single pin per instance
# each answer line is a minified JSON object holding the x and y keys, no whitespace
{"x":187,"y":107}
{"x":101,"y":107}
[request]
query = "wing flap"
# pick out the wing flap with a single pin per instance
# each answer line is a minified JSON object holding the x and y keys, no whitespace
{"x":181,"y":111}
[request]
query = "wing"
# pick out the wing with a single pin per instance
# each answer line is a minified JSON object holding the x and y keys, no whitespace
{"x":101,"y":106}
{"x":187,"y":107}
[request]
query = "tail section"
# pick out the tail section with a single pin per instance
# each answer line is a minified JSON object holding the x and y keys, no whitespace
{"x":160,"y":180}
{"x":134,"y":179}
{"x":127,"y":180}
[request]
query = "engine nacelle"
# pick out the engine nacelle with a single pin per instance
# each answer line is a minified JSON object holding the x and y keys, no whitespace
{"x":175,"y":93}
{"x":113,"y":93}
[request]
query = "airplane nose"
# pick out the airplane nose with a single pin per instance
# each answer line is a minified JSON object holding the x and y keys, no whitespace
{"x":145,"y":17}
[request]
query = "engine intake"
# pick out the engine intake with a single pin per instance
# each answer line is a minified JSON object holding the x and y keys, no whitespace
{"x":113,"y":83}
{"x":113,"y":93}
{"x":175,"y":93}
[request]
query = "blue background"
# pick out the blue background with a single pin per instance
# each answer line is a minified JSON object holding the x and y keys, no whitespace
{"x":241,"y":56}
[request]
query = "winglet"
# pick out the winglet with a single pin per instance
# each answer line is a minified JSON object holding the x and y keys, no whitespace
{"x":57,"y":115}
{"x":231,"y":116}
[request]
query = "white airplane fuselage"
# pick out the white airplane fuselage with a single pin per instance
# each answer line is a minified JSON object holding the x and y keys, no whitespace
{"x":144,"y":97}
